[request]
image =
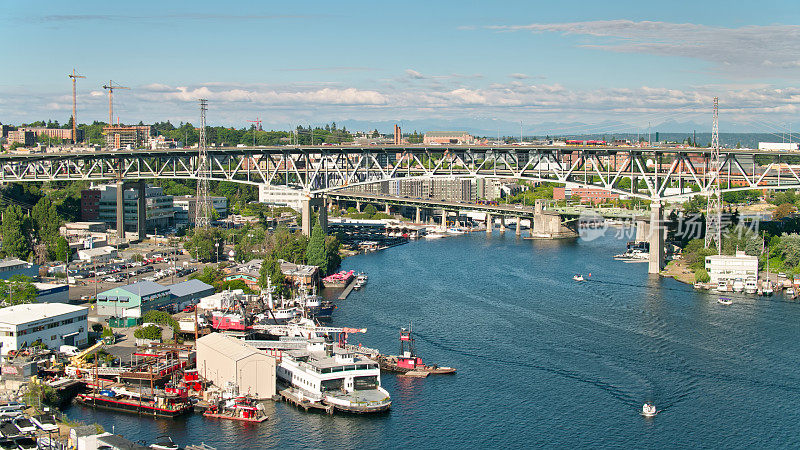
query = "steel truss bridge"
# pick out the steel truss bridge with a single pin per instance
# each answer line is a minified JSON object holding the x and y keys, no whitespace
{"x":657,"y":174}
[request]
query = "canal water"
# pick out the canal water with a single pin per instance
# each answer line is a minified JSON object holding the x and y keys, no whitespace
{"x":542,"y":360}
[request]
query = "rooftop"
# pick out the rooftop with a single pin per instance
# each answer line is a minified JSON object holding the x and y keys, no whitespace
{"x":144,"y":288}
{"x":19,"y":314}
{"x":445,"y":133}
{"x":99,"y":251}
{"x":11,"y":262}
{"x":233,"y":348}
{"x":188,"y":287}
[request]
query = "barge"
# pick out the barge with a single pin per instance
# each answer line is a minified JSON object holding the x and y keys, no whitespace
{"x":161,"y":405}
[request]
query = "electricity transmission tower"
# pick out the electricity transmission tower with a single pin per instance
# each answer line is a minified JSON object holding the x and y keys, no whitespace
{"x":714,"y":207}
{"x":203,"y":205}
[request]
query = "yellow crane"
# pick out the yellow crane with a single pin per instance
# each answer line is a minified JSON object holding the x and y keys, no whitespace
{"x":110,"y":88}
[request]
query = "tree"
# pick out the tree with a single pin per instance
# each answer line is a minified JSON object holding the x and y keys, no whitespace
{"x":370,"y":210}
{"x":701,"y":275}
{"x":18,"y":290}
{"x":63,"y":251}
{"x":783,"y":210}
{"x":202,"y":242}
{"x":315,"y":252}
{"x":16,"y":238}
{"x":333,"y":260}
{"x":271,"y":275}
{"x":151,"y":332}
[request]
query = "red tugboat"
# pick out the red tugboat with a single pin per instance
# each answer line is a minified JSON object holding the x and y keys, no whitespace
{"x":408,"y":361}
{"x":242,"y":409}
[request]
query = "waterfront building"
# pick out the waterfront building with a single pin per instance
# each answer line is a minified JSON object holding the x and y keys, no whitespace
{"x":52,"y":324}
{"x":186,"y":209}
{"x":447,"y":137}
{"x":13,"y":266}
{"x":127,"y":303}
{"x":227,"y":361}
{"x":99,"y":204}
{"x":248,"y":272}
{"x":299,"y":274}
{"x":280,"y":196}
{"x":729,"y":268}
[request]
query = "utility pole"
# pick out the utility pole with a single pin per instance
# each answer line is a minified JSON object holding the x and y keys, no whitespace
{"x":203,"y":204}
{"x":74,"y":77}
{"x":714,"y":207}
{"x":110,"y":87}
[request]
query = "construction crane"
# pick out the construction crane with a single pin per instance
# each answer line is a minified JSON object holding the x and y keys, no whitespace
{"x":110,"y":87}
{"x":257,"y":128}
{"x":74,"y":77}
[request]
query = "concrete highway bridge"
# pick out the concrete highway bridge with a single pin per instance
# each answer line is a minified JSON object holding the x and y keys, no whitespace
{"x":656,"y":174}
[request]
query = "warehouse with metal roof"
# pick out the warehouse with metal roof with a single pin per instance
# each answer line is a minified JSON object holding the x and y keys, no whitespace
{"x":228,"y":361}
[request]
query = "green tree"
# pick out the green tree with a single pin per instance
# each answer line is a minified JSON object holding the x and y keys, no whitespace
{"x":701,"y":275}
{"x":63,"y":251}
{"x":370,"y":210}
{"x":271,"y":275}
{"x":207,"y":244}
{"x":17,"y":290}
{"x":151,"y":332}
{"x":315,"y":252}
{"x":16,"y":236}
{"x":332,"y":257}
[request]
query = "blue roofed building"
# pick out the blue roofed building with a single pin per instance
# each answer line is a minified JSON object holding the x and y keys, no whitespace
{"x":125,"y":305}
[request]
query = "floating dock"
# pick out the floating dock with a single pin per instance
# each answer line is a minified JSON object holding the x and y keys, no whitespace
{"x":348,"y":289}
{"x":290,"y":396}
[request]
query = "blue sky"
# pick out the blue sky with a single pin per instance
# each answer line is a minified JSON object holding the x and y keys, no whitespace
{"x":548,"y":64}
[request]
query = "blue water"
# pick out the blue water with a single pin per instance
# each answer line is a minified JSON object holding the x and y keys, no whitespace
{"x":542,"y":360}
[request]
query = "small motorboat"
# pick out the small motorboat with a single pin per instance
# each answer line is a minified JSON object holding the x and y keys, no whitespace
{"x":578,"y":278}
{"x":649,"y":410}
{"x":724,"y":301}
{"x":164,"y":443}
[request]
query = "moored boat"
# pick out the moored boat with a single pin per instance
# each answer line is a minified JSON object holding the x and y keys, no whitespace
{"x":242,"y":409}
{"x":408,"y":361}
{"x":159,"y":405}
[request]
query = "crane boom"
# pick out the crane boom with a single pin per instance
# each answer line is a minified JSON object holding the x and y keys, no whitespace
{"x":110,"y":87}
{"x":74,"y":77}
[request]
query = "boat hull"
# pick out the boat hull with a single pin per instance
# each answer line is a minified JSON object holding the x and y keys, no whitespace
{"x":99,"y":402}
{"x":230,"y":417}
{"x":388,"y":365}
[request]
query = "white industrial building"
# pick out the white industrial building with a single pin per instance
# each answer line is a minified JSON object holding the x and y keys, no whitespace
{"x":228,"y":361}
{"x":53,"y":324}
{"x":729,"y":268}
{"x":97,"y":255}
{"x":280,"y":196}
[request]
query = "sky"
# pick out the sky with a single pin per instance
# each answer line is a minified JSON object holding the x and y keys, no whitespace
{"x":556,"y":67}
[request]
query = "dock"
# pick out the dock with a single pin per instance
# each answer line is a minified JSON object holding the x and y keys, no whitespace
{"x":348,"y":289}
{"x":290,"y":395}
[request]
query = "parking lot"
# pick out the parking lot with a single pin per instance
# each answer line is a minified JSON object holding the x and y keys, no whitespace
{"x":114,"y":275}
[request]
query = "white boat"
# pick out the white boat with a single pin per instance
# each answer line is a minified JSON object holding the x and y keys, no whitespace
{"x":738,"y":285}
{"x":455,"y":231}
{"x":327,"y":373}
{"x":750,"y":285}
{"x":790,"y":292}
{"x":45,"y":422}
{"x":434,"y":236}
{"x":649,"y":410}
{"x":578,"y":278}
{"x":767,"y":289}
{"x":724,"y":301}
{"x":722,"y":286}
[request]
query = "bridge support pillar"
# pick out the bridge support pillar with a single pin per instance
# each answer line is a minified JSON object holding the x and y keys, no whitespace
{"x":444,"y":219}
{"x":419,"y":215}
{"x":141,"y":210}
{"x":502,"y":224}
{"x":489,"y":223}
{"x":120,"y":209}
{"x":388,"y":209}
{"x":519,"y":226}
{"x":656,"y":261}
{"x":309,"y":204}
{"x":358,"y":206}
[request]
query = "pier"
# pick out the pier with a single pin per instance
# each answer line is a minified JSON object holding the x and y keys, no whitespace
{"x":347,"y":290}
{"x":295,"y":397}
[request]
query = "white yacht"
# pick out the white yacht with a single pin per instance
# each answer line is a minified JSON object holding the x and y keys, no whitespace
{"x":738,"y":285}
{"x":327,"y":373}
{"x":750,"y":285}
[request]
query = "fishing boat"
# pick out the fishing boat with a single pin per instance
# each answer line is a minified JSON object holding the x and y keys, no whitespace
{"x":724,"y":301}
{"x":242,"y":409}
{"x":408,"y":361}
{"x":767,"y":289}
{"x":157,"y":404}
{"x":649,"y":410}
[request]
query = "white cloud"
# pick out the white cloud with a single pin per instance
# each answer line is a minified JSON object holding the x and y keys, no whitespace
{"x":414,"y":74}
{"x":745,"y":50}
{"x":519,"y":76}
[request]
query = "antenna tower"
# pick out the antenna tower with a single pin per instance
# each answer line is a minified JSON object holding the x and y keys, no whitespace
{"x":714,"y":207}
{"x":203,"y":205}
